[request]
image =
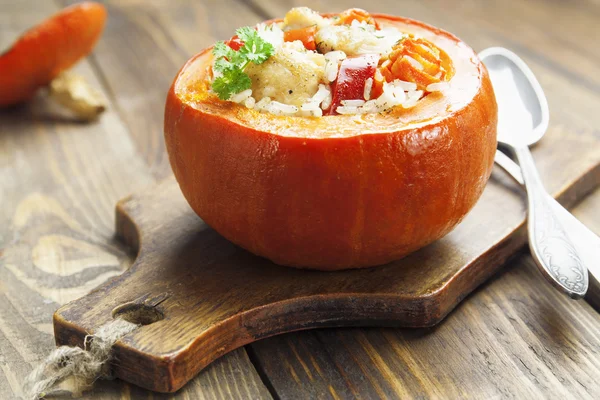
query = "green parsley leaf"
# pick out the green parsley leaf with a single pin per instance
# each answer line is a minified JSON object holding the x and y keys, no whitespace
{"x":255,"y":49}
{"x":246,"y":33}
{"x":222,"y":50}
{"x":222,"y":64}
{"x":231,"y":82}
{"x":230,"y":64}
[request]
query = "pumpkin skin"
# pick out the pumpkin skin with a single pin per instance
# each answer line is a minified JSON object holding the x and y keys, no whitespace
{"x":47,"y":49}
{"x":341,"y":191}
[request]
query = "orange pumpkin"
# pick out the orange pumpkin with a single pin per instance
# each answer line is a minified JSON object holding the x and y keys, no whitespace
{"x":43,"y":52}
{"x":339,"y":191}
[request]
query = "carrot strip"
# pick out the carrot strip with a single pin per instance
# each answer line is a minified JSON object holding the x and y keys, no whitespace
{"x":305,"y":35}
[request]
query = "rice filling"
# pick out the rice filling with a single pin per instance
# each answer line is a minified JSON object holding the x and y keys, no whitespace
{"x":300,"y":67}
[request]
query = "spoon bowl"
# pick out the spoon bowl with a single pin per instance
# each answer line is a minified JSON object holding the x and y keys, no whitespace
{"x":517,"y":90}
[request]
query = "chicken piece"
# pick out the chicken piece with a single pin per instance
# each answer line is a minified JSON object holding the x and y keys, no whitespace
{"x":302,"y":17}
{"x":352,"y":40}
{"x":291,"y":76}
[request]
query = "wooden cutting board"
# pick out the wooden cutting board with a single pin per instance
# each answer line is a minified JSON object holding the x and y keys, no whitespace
{"x":200,"y":296}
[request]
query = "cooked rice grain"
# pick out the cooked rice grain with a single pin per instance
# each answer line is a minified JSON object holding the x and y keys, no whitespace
{"x":368,"y":87}
{"x":437,"y":87}
{"x":241,"y":96}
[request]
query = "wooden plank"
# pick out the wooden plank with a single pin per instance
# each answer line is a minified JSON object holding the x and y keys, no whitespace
{"x":59,"y":181}
{"x":514,"y":338}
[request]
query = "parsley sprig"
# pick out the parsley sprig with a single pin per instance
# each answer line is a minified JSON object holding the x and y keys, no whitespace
{"x":230,"y":64}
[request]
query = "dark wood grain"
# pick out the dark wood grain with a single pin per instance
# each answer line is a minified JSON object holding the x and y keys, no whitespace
{"x":514,"y":338}
{"x":216,"y":297}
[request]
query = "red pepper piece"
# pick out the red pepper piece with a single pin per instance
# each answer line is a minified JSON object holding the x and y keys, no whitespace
{"x":235,"y":43}
{"x":350,"y":82}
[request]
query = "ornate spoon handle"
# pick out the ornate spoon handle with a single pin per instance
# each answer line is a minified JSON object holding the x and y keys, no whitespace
{"x":553,"y":251}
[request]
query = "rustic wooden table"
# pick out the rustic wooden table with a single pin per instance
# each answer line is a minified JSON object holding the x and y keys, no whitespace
{"x":60,"y":180}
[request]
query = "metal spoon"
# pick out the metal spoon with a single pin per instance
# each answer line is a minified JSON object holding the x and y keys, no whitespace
{"x":522,"y":120}
{"x":586,"y":241}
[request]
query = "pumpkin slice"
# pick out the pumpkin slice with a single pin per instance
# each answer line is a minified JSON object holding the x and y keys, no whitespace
{"x":340,"y":191}
{"x":41,"y":54}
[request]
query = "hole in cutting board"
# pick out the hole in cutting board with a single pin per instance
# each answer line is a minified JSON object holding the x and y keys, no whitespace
{"x":138,"y":313}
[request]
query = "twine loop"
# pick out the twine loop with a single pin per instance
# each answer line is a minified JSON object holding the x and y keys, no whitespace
{"x":83,"y":366}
